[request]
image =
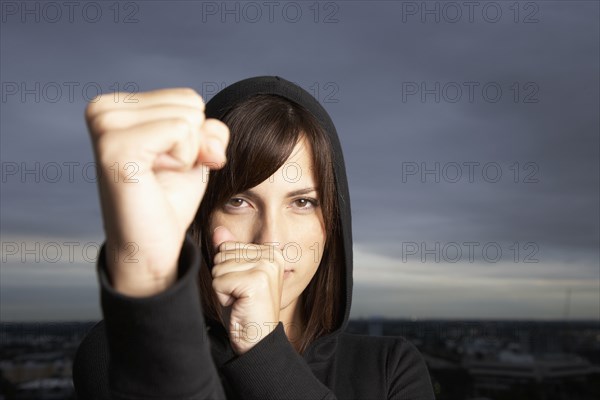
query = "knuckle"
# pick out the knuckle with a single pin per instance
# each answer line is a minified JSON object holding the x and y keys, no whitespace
{"x":217,"y":128}
{"x":181,"y":126}
{"x":92,"y":107}
{"x":192,"y":95}
{"x":268,"y":266}
{"x":261,"y":277}
{"x":100,"y":122}
{"x":261,"y":263}
{"x":90,"y":110}
{"x":217,"y":259}
{"x":265,"y":249}
{"x":98,"y":103}
{"x":193,"y":117}
{"x":108,"y":148}
{"x":186,"y":91}
{"x":222,"y":247}
{"x":180,"y":122}
{"x":278,"y":257}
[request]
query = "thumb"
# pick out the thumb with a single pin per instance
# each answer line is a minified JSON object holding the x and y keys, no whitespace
{"x":220,"y":235}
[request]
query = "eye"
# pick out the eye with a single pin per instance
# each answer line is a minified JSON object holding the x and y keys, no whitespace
{"x":306,"y":203}
{"x":235,"y":202}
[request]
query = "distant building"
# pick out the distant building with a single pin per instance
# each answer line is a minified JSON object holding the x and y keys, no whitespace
{"x":34,"y":366}
{"x":376,"y":326}
{"x":47,"y":389}
{"x":508,"y":369}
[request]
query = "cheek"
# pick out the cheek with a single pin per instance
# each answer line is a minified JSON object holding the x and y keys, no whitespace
{"x":317,"y":240}
{"x":238,"y":226}
{"x":215,"y":219}
{"x":305,"y":267}
{"x":312,"y":243}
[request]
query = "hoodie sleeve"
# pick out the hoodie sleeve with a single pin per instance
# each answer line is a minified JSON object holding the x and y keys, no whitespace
{"x":272,"y":369}
{"x":408,"y":378}
{"x":158,"y":345}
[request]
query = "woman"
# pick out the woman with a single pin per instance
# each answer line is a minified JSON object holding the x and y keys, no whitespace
{"x":269,"y":254}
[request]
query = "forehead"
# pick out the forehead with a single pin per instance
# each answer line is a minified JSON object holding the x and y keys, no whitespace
{"x":295,"y":173}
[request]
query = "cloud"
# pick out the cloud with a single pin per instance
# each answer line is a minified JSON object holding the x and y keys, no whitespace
{"x":362,"y":68}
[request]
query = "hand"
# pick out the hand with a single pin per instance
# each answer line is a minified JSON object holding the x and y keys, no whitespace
{"x":248,"y":281}
{"x":153,"y":156}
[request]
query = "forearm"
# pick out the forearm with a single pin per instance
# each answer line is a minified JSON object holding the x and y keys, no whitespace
{"x":159,"y":348}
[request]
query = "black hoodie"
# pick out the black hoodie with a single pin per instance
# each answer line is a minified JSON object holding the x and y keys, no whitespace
{"x":159,"y":347}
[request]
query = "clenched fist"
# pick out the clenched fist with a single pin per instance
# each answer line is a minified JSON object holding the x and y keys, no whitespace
{"x":153,"y":156}
{"x":248,"y":280}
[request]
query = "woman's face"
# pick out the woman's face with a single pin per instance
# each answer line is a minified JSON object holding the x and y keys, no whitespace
{"x":283,"y":211}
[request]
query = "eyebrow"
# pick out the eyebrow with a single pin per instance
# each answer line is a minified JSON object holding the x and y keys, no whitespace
{"x":251,"y":193}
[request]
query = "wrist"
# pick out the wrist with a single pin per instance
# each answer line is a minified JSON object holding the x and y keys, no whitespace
{"x":135,"y":281}
{"x":132,"y":274}
{"x":143,"y":288}
{"x":244,"y":338}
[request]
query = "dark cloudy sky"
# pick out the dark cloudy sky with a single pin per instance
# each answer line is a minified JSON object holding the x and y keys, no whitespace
{"x":471,"y":137}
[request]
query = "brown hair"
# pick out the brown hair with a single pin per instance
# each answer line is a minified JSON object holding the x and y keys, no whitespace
{"x":263,"y":132}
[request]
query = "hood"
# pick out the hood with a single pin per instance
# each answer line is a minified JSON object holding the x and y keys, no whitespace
{"x":218,"y":106}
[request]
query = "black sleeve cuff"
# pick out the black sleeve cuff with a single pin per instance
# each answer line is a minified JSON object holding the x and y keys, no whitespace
{"x":159,"y":346}
{"x":272,"y":369}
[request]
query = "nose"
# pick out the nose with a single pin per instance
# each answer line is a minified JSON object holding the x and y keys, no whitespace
{"x":269,"y":230}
